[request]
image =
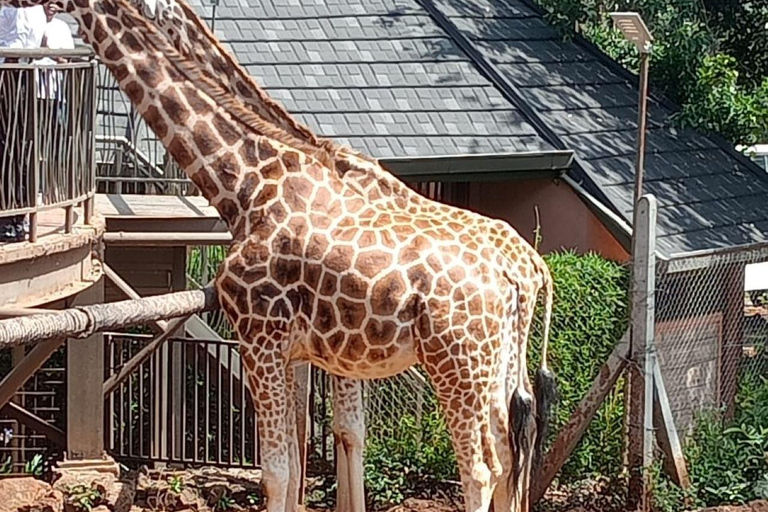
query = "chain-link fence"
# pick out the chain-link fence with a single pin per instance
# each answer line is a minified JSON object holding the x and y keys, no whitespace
{"x":711,"y":341}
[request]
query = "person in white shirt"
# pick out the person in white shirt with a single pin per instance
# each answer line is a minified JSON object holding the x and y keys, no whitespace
{"x":52,"y":99}
{"x":19,"y":28}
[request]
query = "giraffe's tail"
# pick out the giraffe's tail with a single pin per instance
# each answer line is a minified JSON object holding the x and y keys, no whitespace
{"x":544,"y":386}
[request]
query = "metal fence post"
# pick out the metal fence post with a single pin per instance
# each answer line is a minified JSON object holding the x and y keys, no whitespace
{"x":643,"y":286}
{"x":34,"y":182}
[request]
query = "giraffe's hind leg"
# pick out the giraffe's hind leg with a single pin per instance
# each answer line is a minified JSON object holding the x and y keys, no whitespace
{"x":349,"y":432}
{"x":464,"y":387}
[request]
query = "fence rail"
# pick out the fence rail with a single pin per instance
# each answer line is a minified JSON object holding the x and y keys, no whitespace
{"x":47,"y":138}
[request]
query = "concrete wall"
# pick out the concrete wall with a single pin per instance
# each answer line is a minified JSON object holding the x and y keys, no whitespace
{"x":566,"y":222}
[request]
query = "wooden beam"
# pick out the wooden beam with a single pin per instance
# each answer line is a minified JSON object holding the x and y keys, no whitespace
{"x":128,"y":291}
{"x":26,"y":368}
{"x":20,"y":414}
{"x":666,"y":432}
{"x":162,"y":239}
{"x":83,"y":321}
{"x":571,"y":434}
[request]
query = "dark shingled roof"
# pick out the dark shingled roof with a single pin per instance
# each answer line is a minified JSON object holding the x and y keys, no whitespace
{"x":392,"y":78}
{"x":379,"y":75}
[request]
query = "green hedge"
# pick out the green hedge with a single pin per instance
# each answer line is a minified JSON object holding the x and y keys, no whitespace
{"x":590,"y":315}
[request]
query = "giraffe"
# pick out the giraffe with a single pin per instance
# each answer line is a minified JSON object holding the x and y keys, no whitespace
{"x":316,"y":272}
{"x":192,"y":38}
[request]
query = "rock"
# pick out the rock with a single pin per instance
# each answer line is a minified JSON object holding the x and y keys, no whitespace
{"x":26,"y":494}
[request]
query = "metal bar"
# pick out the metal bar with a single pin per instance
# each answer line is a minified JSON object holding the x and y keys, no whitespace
{"x":243,"y":406}
{"x":230,"y":373}
{"x":46,"y":207}
{"x":145,"y":239}
{"x":34,"y":183}
{"x":129,"y":385}
{"x":111,"y":419}
{"x":207,"y":404}
{"x":34,"y":422}
{"x":640,"y":417}
{"x":142,"y":440}
{"x":26,"y":368}
{"x":570,"y":435}
{"x":219,"y":404}
{"x":184,"y":398}
{"x":197,"y":406}
{"x":134,"y":179}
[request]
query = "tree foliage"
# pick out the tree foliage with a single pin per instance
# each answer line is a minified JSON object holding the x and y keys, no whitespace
{"x":709,"y":56}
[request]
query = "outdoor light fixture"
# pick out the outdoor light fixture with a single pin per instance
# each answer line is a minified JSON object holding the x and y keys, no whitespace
{"x":631,"y":25}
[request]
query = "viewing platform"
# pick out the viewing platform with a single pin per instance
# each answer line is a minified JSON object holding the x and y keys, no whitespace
{"x":47,"y":168}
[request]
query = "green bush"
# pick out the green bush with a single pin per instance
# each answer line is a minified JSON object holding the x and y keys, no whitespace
{"x":589,"y":317}
{"x":416,"y":455}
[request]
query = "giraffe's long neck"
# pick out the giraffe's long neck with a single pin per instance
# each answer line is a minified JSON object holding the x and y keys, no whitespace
{"x":224,"y":156}
{"x":194,"y":40}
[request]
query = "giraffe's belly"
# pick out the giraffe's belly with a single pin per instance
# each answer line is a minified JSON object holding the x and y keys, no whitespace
{"x":361,"y":357}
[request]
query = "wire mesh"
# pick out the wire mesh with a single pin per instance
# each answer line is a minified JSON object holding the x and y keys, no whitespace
{"x":711,"y":336}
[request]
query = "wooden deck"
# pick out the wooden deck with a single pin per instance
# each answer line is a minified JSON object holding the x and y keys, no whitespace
{"x":128,"y":213}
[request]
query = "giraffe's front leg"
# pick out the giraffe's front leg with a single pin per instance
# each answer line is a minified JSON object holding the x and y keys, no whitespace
{"x":349,"y":432}
{"x":267,"y":377}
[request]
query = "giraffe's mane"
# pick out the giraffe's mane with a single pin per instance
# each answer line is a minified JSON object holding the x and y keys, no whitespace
{"x":324,"y":153}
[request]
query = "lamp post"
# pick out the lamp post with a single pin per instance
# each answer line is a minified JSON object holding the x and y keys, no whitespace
{"x":632,"y":26}
{"x":640,"y":398}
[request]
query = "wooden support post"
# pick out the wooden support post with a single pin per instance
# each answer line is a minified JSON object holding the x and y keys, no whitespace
{"x":732,"y":286}
{"x":570,"y":435}
{"x":85,"y":400}
{"x":666,"y":432}
{"x":640,"y":418}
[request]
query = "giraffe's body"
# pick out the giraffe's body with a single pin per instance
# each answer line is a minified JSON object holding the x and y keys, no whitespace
{"x":360,"y":277}
{"x":191,"y":37}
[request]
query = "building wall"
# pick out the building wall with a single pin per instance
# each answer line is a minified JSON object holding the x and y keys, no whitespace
{"x":566,"y":222}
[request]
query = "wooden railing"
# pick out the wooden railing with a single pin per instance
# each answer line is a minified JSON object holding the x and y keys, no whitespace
{"x":47,"y":137}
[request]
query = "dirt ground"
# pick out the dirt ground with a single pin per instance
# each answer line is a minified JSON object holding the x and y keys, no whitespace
{"x":215,"y":490}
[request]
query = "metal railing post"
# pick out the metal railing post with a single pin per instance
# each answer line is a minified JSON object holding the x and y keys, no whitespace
{"x":35,"y":176}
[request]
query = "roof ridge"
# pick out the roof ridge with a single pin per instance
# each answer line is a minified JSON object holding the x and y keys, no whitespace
{"x":510,"y":92}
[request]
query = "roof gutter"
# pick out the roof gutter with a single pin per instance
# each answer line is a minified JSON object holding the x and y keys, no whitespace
{"x":481,"y":167}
